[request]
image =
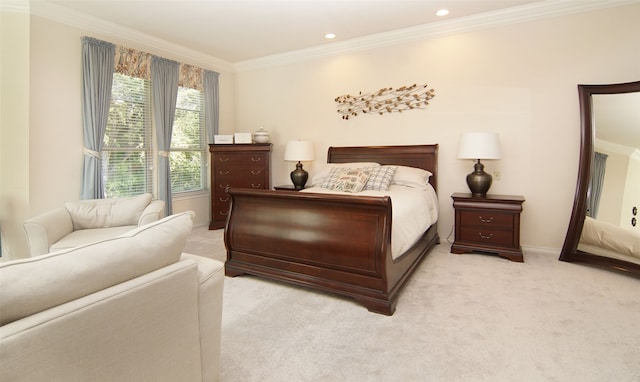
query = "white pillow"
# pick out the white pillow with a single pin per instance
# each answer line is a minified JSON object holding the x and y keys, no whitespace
{"x":351,"y":179}
{"x":411,"y":177}
{"x":104,"y":213}
{"x":323,"y":173}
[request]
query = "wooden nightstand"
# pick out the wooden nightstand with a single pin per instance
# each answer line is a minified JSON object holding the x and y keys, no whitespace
{"x":286,"y":187}
{"x":488,"y":224}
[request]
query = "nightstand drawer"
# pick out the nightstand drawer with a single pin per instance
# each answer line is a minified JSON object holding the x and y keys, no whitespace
{"x":486,"y":219}
{"x":492,"y":237}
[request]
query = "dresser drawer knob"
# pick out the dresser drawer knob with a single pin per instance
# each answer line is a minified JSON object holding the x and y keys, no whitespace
{"x":259,"y":185}
{"x":488,"y":220}
{"x":256,"y":172}
{"x":485,"y":237}
{"x":256,"y":159}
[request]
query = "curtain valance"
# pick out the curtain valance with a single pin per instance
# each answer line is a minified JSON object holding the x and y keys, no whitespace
{"x":136,"y":63}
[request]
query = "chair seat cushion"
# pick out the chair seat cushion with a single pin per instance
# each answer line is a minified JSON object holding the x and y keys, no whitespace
{"x":86,"y":236}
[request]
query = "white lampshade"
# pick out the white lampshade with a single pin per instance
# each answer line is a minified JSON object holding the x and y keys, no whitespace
{"x":298,"y":151}
{"x":481,"y":145}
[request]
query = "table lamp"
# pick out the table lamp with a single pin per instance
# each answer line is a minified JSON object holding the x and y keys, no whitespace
{"x":298,"y":151}
{"x":481,"y":145}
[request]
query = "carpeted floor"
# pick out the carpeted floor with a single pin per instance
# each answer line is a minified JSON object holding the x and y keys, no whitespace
{"x":460,"y":318}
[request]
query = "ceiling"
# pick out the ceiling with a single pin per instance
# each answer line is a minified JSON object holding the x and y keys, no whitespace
{"x":241,"y":30}
{"x":617,"y":118}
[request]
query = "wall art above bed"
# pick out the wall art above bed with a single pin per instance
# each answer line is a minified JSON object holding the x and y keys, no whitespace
{"x":385,"y":100}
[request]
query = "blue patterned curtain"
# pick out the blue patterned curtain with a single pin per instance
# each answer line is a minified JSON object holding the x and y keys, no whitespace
{"x":597,"y":180}
{"x":211,"y":103}
{"x":164,"y":90}
{"x":97,"y":78}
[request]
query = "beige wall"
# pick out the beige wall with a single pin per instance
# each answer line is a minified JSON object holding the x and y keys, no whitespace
{"x":518,"y":80}
{"x":14,"y":129}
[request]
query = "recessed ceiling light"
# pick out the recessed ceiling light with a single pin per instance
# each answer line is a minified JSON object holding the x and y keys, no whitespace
{"x":442,"y":12}
{"x":330,"y":35}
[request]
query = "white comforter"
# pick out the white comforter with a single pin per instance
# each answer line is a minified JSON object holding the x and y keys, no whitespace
{"x":413,"y":212}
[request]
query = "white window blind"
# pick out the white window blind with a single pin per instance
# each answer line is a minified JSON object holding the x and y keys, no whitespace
{"x":188,"y":155}
{"x":127,"y":150}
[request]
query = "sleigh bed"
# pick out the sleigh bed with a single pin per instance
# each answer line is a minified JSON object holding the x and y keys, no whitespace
{"x":330,"y":242}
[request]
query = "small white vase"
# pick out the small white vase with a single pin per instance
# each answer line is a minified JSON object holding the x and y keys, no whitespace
{"x":261,"y":136}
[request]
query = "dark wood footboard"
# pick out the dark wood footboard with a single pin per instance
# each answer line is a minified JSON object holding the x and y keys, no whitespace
{"x":335,"y":243}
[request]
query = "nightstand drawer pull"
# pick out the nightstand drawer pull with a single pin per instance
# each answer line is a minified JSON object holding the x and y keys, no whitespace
{"x":224,"y":213}
{"x":256,"y":159}
{"x":224,"y":186}
{"x":223,"y":200}
{"x":225,"y":159}
{"x":259,"y":185}
{"x":485,"y":237}
{"x":489,"y":220}
{"x":223,"y":172}
{"x":256,"y":172}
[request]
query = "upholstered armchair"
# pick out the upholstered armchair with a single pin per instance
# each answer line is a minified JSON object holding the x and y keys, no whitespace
{"x":129,"y":308}
{"x":88,"y":221}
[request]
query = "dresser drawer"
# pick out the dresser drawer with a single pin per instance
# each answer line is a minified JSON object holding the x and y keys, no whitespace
{"x":490,"y":237}
{"x":220,"y":211}
{"x":239,"y":159}
{"x":487,"y":219}
{"x":255,"y":183}
{"x":224,"y":174}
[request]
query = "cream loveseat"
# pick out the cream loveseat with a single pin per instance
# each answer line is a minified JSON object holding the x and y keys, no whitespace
{"x":87,"y":221}
{"x":131,"y":308}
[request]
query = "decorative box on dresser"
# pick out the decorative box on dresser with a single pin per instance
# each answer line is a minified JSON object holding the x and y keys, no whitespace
{"x":237,"y":166}
{"x":488,"y":224}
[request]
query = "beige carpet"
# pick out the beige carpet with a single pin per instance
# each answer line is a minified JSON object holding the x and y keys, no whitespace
{"x":460,"y":318}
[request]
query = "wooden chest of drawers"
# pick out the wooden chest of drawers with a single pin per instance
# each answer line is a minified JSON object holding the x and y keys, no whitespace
{"x":488,"y":224}
{"x":237,"y":166}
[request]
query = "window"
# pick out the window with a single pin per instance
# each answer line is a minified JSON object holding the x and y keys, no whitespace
{"x":128,"y":146}
{"x":187,"y":159}
{"x":127,"y":150}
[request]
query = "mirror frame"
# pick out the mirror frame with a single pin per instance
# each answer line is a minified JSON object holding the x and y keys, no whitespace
{"x":570,"y":252}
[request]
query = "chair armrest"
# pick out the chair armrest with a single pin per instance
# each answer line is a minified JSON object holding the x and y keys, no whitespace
{"x":153,"y":212}
{"x":46,"y":229}
{"x":211,"y":280}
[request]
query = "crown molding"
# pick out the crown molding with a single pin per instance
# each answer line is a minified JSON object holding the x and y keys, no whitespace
{"x":15,"y":6}
{"x":616,"y":148}
{"x":528,"y":12}
{"x":104,"y":28}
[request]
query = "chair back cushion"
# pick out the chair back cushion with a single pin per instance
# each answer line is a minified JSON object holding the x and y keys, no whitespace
{"x":104,"y":213}
{"x":32,"y":285}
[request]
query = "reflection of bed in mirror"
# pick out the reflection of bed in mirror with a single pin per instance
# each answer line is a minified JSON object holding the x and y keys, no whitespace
{"x":606,"y":239}
{"x":601,"y":231}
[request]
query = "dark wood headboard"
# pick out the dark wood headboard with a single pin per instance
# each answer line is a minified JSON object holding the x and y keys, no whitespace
{"x":420,"y":156}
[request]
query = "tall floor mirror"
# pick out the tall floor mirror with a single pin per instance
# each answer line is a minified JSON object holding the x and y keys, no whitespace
{"x":604,"y":229}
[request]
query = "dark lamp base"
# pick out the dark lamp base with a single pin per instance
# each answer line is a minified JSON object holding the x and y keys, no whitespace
{"x":299,"y":177}
{"x":479,"y":181}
